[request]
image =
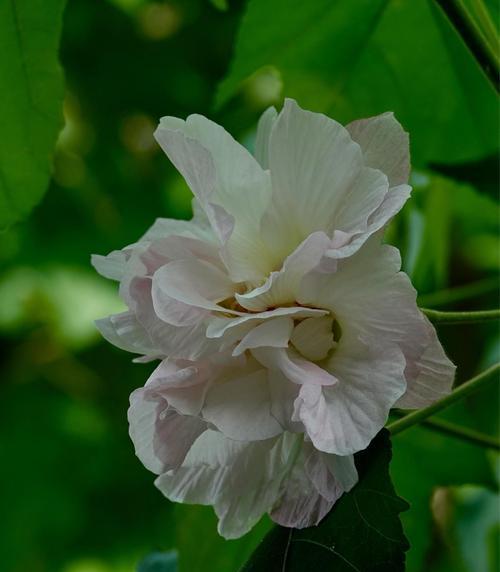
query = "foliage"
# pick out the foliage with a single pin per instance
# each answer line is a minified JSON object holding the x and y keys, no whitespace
{"x":32,"y":94}
{"x":361,"y":532}
{"x":73,"y":496}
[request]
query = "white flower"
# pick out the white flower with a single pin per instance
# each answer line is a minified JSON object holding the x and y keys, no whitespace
{"x":285,"y":327}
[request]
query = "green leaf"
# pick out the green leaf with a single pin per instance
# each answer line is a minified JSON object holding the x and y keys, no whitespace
{"x":201,"y":548}
{"x":361,"y":533}
{"x":354,"y":59}
{"x":31,"y":100}
{"x":424,"y":460}
{"x":159,"y":562}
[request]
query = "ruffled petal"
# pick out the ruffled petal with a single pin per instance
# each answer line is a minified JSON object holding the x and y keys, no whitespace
{"x":229,"y":184}
{"x":185,"y":291}
{"x":385,"y":145}
{"x":264,"y":127}
{"x":319,"y":179}
{"x":430,"y":376}
{"x":161,"y":436}
{"x":240,"y":407}
{"x":343,"y":418}
{"x":241,"y":480}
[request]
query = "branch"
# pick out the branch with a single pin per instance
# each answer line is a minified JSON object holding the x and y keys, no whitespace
{"x":464,"y":390}
{"x":459,"y":293}
{"x":439,"y":317}
{"x":473,"y":39}
{"x":459,"y":432}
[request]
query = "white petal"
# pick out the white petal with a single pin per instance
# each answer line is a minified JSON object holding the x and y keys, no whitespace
{"x":125,"y":332}
{"x":161,"y":436}
{"x":240,"y":407}
{"x":430,"y":376}
{"x":189,"y":342}
{"x":293,"y":366}
{"x":241,"y":480}
{"x":111,"y":266}
{"x":183,"y":290}
{"x":228,"y":182}
{"x":319,"y":178}
{"x":218,"y":327}
{"x":315,"y":483}
{"x":313,"y":337}
{"x":182,"y":385}
{"x":271,"y":333}
{"x":283,"y":395}
{"x":385,"y":145}
{"x":343,"y":418}
{"x":282,"y":286}
{"x":264,"y":127}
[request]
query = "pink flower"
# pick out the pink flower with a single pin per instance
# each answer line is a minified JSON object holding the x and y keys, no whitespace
{"x":285,"y":327}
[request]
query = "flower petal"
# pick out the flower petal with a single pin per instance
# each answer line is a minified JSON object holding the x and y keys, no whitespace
{"x":125,"y":332}
{"x":313,"y":337}
{"x":319,"y":178}
{"x":385,"y":145}
{"x":184,"y":290}
{"x":240,"y":407}
{"x":281,"y":286}
{"x":161,"y":437}
{"x":293,"y":366}
{"x":343,"y":418}
{"x":241,"y":480}
{"x":430,"y":376}
{"x":264,"y":127}
{"x":271,"y":333}
{"x":224,"y":175}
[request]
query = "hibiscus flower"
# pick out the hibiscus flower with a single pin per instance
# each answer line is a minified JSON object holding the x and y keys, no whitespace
{"x":285,"y":328}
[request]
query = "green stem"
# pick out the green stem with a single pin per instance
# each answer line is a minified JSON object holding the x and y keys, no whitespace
{"x":473,"y":39}
{"x":464,"y":390}
{"x":459,"y":293}
{"x":462,"y":433}
{"x":485,"y":23}
{"x":439,"y":317}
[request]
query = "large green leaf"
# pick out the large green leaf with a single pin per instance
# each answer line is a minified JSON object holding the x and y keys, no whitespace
{"x":425,"y":460}
{"x":201,"y":548}
{"x":361,"y":532}
{"x":362,"y":58}
{"x":31,"y":97}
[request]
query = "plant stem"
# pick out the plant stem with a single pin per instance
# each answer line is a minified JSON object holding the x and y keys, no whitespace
{"x":459,"y":293}
{"x":485,"y":23}
{"x":464,"y":390}
{"x":462,"y":433}
{"x":439,"y":317}
{"x":473,"y":39}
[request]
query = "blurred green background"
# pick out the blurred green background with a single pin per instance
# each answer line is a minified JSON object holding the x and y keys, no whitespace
{"x":73,"y":496}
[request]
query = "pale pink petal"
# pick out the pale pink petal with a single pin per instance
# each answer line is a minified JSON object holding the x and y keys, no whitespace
{"x":283,"y":395}
{"x":125,"y":332}
{"x":281,"y":287}
{"x":271,"y":333}
{"x":182,"y":342}
{"x":220,"y":327}
{"x":241,"y":480}
{"x":293,"y":366}
{"x":264,"y":127}
{"x":319,"y":178}
{"x":343,"y":418}
{"x":430,"y":376}
{"x":300,"y":504}
{"x":184,"y":290}
{"x":229,"y":184}
{"x":240,"y":407}
{"x":385,"y":145}
{"x":111,"y":266}
{"x":313,"y":337}
{"x":161,"y":436}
